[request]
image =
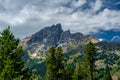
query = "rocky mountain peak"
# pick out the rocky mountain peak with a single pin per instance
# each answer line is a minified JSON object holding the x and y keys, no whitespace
{"x":54,"y":35}
{"x":48,"y":35}
{"x":66,"y":35}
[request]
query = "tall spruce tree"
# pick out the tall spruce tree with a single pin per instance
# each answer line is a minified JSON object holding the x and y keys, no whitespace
{"x":89,"y":53}
{"x":59,"y":63}
{"x":78,"y":71}
{"x":54,"y":63}
{"x":50,"y":63}
{"x":69,"y":71}
{"x":107,"y":75}
{"x":11,"y":62}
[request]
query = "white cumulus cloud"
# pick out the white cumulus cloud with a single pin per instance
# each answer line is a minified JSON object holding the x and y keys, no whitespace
{"x":29,"y":16}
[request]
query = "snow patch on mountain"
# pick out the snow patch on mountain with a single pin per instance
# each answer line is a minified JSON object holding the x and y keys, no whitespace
{"x":100,"y":39}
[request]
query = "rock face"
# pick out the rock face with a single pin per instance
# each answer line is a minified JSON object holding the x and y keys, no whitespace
{"x":54,"y":35}
{"x":25,"y":40}
{"x":48,"y":36}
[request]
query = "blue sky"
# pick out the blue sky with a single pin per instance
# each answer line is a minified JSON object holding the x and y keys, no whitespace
{"x":28,"y":16}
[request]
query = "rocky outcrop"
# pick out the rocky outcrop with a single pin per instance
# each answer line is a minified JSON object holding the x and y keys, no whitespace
{"x":25,"y":40}
{"x":48,"y":36}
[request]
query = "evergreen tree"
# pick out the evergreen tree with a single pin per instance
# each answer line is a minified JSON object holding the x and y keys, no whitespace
{"x":50,"y":63}
{"x":69,"y":71}
{"x":11,"y":62}
{"x":107,"y":75}
{"x":77,"y":73}
{"x":59,"y":64}
{"x":54,"y":63}
{"x":89,"y":53}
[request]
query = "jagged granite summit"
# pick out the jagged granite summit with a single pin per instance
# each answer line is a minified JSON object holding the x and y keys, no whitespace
{"x":48,"y":36}
{"x":54,"y":35}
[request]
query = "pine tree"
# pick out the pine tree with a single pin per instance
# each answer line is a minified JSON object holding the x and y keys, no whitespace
{"x":59,"y":63}
{"x":69,"y":71}
{"x":54,"y":63}
{"x":89,"y":53}
{"x":107,"y":75}
{"x":77,"y":73}
{"x":50,"y":63}
{"x":11,"y":62}
{"x":7,"y":70}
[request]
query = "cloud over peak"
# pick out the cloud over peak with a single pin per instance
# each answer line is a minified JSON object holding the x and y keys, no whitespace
{"x":76,"y":15}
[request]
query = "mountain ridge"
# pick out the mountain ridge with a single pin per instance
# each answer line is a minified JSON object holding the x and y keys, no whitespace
{"x":55,"y":36}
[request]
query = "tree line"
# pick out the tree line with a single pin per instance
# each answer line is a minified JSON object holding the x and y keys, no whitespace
{"x":12,"y":63}
{"x":57,"y":69}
